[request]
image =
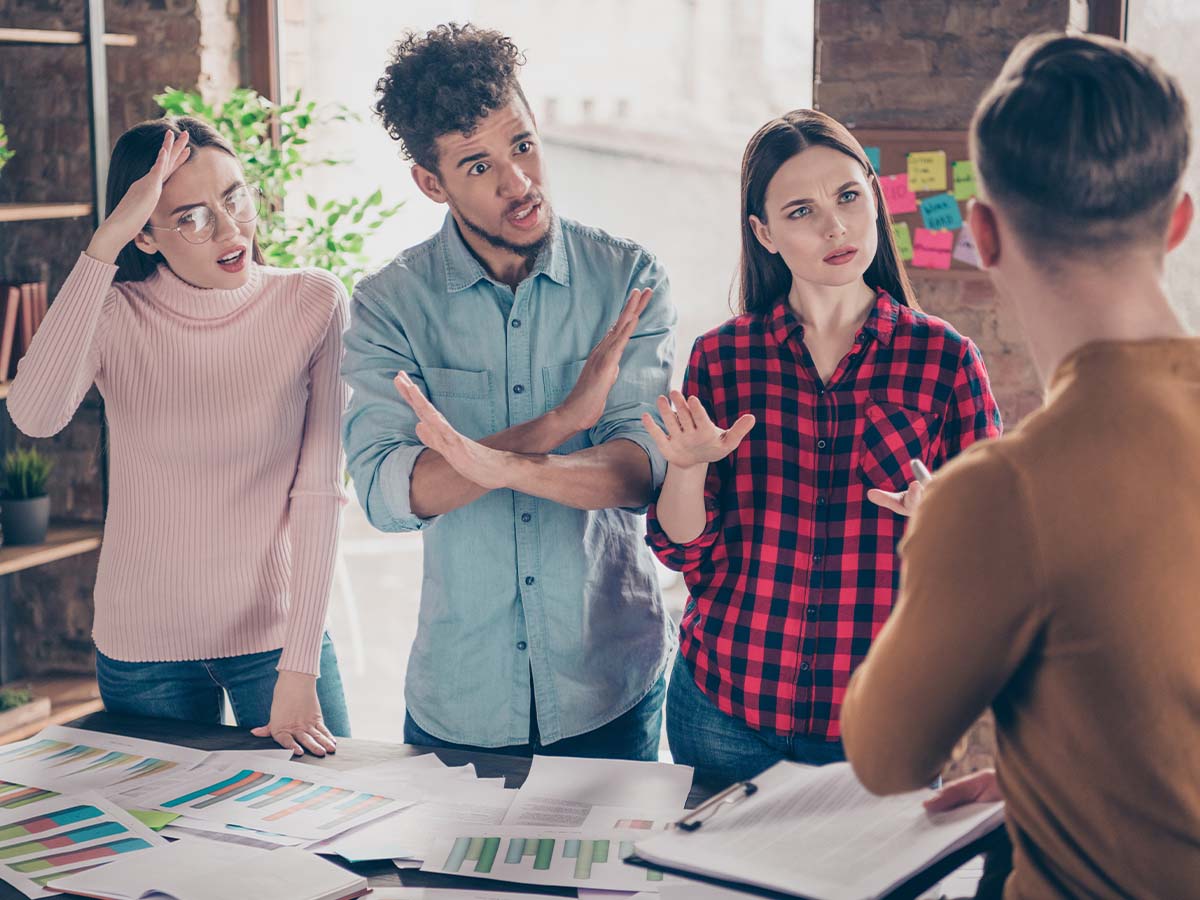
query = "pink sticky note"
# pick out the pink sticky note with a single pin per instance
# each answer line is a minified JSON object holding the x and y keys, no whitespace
{"x":896,"y":195}
{"x":931,"y":249}
{"x":965,"y":249}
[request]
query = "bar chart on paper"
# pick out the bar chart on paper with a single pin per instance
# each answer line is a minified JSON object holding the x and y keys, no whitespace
{"x":562,"y":859}
{"x":274,"y":801}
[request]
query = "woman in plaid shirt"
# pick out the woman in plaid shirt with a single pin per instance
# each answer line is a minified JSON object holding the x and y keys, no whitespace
{"x":789,"y":458}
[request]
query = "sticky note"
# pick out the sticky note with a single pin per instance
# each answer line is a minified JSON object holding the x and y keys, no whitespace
{"x":964,"y":179}
{"x":903,"y":240}
{"x":873,"y":156}
{"x":927,"y":171}
{"x":896,"y":195}
{"x":940,"y":211}
{"x":931,"y":249}
{"x":965,"y":249}
{"x":154,"y":819}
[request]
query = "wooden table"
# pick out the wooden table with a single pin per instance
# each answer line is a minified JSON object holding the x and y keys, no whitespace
{"x":355,"y":752}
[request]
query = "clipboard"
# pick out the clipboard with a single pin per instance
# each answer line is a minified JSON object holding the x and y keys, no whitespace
{"x":995,"y":840}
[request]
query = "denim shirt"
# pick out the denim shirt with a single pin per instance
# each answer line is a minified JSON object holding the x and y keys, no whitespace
{"x":514,"y":586}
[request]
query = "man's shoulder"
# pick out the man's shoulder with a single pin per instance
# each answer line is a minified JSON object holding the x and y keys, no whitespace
{"x":418,"y":264}
{"x":600,"y":244}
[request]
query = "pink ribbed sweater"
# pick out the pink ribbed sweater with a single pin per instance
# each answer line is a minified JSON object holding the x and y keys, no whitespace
{"x":224,"y":411}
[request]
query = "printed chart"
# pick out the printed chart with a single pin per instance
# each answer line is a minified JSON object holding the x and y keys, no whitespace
{"x":280,"y":797}
{"x":44,"y":834}
{"x":562,"y":859}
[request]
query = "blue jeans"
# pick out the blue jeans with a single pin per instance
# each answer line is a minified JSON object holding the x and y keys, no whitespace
{"x":632,"y":735}
{"x":723,"y":749}
{"x":192,"y":689}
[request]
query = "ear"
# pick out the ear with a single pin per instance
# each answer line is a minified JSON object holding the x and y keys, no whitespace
{"x":763,"y":233}
{"x":429,"y":184}
{"x":982,"y":220}
{"x":1181,"y":221}
{"x":144,"y":242}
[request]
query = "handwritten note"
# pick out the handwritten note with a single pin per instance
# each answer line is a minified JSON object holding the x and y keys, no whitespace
{"x":941,"y":211}
{"x":896,"y":195}
{"x":873,"y":156}
{"x":965,"y":249}
{"x":931,"y":249}
{"x":927,"y":171}
{"x":964,"y":179}
{"x":904,"y":244}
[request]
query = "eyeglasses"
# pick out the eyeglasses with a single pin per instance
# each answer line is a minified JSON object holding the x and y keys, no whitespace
{"x":243,"y":204}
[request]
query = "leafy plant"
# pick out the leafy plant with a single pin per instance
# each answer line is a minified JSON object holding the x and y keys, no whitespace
{"x":5,"y":153}
{"x":11,"y":698}
{"x":25,"y":474}
{"x":329,"y":234}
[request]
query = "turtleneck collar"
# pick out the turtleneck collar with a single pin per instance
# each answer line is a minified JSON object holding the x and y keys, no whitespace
{"x":190,"y":302}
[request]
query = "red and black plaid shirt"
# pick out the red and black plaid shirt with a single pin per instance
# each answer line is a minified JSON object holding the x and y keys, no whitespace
{"x":796,"y":571}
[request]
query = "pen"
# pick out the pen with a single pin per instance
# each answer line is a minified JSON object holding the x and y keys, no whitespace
{"x":919,"y":470}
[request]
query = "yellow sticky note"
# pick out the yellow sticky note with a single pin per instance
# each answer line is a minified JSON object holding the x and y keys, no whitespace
{"x":927,"y":171}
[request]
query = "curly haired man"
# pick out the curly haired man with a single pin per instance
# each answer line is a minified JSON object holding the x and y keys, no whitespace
{"x":500,"y":371}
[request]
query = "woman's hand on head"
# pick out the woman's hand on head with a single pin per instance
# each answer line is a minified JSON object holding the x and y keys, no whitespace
{"x":689,"y":437}
{"x":134,"y":209}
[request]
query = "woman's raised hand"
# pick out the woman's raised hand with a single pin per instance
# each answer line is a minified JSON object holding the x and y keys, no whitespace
{"x":133,"y":212}
{"x":690,"y":438}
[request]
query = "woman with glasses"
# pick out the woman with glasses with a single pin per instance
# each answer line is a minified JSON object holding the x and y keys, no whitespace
{"x":224,"y":403}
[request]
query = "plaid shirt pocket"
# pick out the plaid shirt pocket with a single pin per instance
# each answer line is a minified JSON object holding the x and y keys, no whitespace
{"x":893,"y":435}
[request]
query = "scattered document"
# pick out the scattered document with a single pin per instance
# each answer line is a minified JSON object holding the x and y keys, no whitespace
{"x":561,"y":791}
{"x":44,"y":834}
{"x":856,"y":846}
{"x":523,"y":856}
{"x":198,"y":871}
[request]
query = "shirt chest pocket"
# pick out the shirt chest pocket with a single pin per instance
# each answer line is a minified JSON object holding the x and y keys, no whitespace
{"x":893,"y":435}
{"x":465,"y":398}
{"x":558,"y":381}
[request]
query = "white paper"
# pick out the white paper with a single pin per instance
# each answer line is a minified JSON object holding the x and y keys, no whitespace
{"x":232,"y":833}
{"x":79,"y":760}
{"x":85,"y":829}
{"x":279,"y":797}
{"x":561,"y":791}
{"x":421,"y":893}
{"x":242,"y":757}
{"x":856,"y":845}
{"x":524,"y":856}
{"x":199,"y":871}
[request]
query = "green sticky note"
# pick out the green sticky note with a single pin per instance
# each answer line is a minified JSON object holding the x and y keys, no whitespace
{"x":154,"y":819}
{"x":964,"y":179}
{"x":904,"y":242}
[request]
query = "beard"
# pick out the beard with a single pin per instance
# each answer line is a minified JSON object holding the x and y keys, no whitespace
{"x":529,"y":252}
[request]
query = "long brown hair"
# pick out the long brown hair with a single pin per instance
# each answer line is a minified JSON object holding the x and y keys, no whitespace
{"x":763,"y":277}
{"x":134,"y":156}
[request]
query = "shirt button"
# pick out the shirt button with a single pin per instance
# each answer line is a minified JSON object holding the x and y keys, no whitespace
{"x":820,"y":501}
{"x":812,"y":612}
{"x":821,"y":445}
{"x":518,"y":388}
{"x":820,"y":392}
{"x":816,"y":557}
{"x":516,"y":323}
{"x":803,"y":667}
{"x":529,"y":579}
{"x":526,"y":517}
{"x":521,"y":645}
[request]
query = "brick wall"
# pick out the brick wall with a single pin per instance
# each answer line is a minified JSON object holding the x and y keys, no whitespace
{"x":43,"y":103}
{"x":923,"y":64}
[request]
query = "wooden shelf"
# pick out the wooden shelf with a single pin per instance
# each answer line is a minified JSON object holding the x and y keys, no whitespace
{"x":70,"y":698}
{"x":37,"y":36}
{"x":61,"y":542}
{"x":29,"y":212}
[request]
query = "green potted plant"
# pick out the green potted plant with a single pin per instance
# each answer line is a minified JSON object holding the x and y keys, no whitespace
{"x":25,"y":509}
{"x":5,"y":153}
{"x":18,"y":706}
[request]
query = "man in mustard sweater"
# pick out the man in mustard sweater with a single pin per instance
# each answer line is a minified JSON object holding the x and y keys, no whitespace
{"x":1053,"y":575}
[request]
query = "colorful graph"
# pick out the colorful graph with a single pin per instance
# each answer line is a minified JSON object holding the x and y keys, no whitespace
{"x":64,"y":758}
{"x":536,"y":854}
{"x":64,"y":839}
{"x":279,"y":797}
{"x":639,"y":824}
{"x":14,"y":796}
{"x":86,"y":854}
{"x":48,"y":822}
